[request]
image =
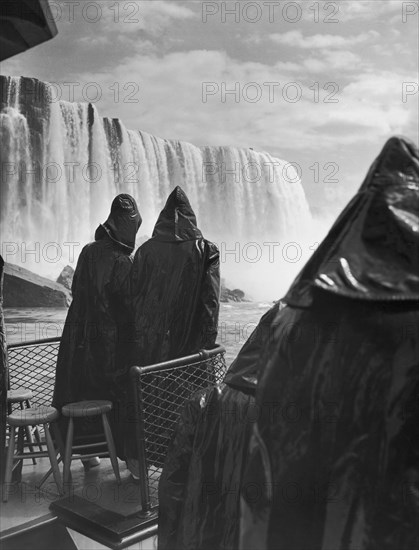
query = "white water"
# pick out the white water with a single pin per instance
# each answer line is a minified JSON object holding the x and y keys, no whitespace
{"x":60,"y":172}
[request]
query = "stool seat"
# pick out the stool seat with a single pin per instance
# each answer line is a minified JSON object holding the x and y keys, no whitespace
{"x":19,"y":422}
{"x":86,"y":408}
{"x":19,"y":395}
{"x":32,"y":416}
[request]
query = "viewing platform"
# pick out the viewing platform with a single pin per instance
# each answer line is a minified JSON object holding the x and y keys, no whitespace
{"x":97,"y":512}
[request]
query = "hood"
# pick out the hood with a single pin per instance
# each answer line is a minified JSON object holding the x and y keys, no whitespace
{"x":177,"y":221}
{"x":123,"y":222}
{"x":372,"y":250}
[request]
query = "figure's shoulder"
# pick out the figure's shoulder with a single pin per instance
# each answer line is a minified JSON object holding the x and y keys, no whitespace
{"x":209,"y":247}
{"x":145,"y":249}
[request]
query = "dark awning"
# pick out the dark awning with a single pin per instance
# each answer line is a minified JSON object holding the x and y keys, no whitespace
{"x":23,"y":25}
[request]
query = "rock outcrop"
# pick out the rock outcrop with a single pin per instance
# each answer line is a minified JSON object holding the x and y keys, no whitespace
{"x":23,"y":288}
{"x":65,"y":278}
{"x":228,"y":295}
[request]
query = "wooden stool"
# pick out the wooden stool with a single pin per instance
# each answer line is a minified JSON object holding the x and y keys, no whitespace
{"x":34,"y":416}
{"x":84,"y":409}
{"x":21,"y":396}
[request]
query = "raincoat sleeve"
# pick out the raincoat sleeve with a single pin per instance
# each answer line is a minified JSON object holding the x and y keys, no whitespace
{"x":210,"y":296}
{"x":119,"y":289}
{"x":173,"y":481}
{"x":77,"y":279}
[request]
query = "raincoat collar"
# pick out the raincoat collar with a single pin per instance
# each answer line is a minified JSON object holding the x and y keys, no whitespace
{"x":177,"y":221}
{"x":123,"y":222}
{"x":372,"y":250}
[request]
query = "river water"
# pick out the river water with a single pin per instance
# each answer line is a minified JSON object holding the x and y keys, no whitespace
{"x":236,"y":322}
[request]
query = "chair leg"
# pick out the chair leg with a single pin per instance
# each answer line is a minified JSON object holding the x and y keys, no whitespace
{"x":111,"y":447}
{"x":68,"y":450}
{"x":9,"y":464}
{"x":53,"y":459}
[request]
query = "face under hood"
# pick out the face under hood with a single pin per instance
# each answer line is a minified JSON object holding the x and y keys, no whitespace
{"x":372,"y":250}
{"x":123,"y":222}
{"x":177,"y":221}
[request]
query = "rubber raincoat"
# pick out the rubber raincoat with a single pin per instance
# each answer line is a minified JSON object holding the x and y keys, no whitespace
{"x":98,"y":328}
{"x":175,"y":287}
{"x":334,"y":455}
{"x":175,"y":299}
{"x":199,"y":490}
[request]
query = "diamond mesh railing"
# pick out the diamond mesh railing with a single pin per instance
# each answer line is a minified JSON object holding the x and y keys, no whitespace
{"x":32,"y":366}
{"x":159,"y":392}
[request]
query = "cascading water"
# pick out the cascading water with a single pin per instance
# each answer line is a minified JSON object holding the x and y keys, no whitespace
{"x":62,"y":165}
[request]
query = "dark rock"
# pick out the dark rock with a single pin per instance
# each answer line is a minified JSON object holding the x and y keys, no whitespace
{"x":22,"y":288}
{"x":65,"y":278}
{"x":238,"y":294}
{"x":228,"y":295}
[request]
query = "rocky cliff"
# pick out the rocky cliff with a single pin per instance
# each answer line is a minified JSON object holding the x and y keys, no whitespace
{"x":23,"y":288}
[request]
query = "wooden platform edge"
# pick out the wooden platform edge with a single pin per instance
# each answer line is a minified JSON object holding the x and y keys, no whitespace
{"x":108,"y":528}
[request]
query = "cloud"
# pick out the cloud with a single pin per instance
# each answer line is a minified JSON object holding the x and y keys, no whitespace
{"x":328,"y":61}
{"x":128,"y":18}
{"x":368,"y":9}
{"x":170,"y":103}
{"x":296,"y":39}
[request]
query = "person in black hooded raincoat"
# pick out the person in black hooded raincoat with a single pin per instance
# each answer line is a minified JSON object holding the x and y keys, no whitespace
{"x":334,"y":455}
{"x":175,"y":293}
{"x":199,"y":489}
{"x":175,"y":286}
{"x":98,"y":330}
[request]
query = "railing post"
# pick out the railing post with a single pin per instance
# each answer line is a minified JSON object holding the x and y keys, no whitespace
{"x":135,"y":373}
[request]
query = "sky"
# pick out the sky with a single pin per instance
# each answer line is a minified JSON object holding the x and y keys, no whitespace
{"x":319,"y":84}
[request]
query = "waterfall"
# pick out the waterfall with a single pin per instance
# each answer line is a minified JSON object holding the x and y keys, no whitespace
{"x":62,"y":164}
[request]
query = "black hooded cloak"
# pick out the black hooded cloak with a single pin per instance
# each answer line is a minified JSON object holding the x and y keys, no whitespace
{"x":334,"y":455}
{"x":97,"y":330}
{"x":175,"y":287}
{"x":175,"y":298}
{"x":199,"y":489}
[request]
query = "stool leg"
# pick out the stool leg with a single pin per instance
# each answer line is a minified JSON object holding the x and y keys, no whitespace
{"x":58,"y":439}
{"x":53,"y":459}
{"x":38,"y":438}
{"x":9,"y":464}
{"x":68,"y":450}
{"x":111,"y":446}
{"x":20,"y":439}
{"x":30,"y":440}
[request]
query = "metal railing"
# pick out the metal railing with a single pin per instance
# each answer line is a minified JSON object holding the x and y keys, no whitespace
{"x":32,"y":366}
{"x":160,"y":390}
